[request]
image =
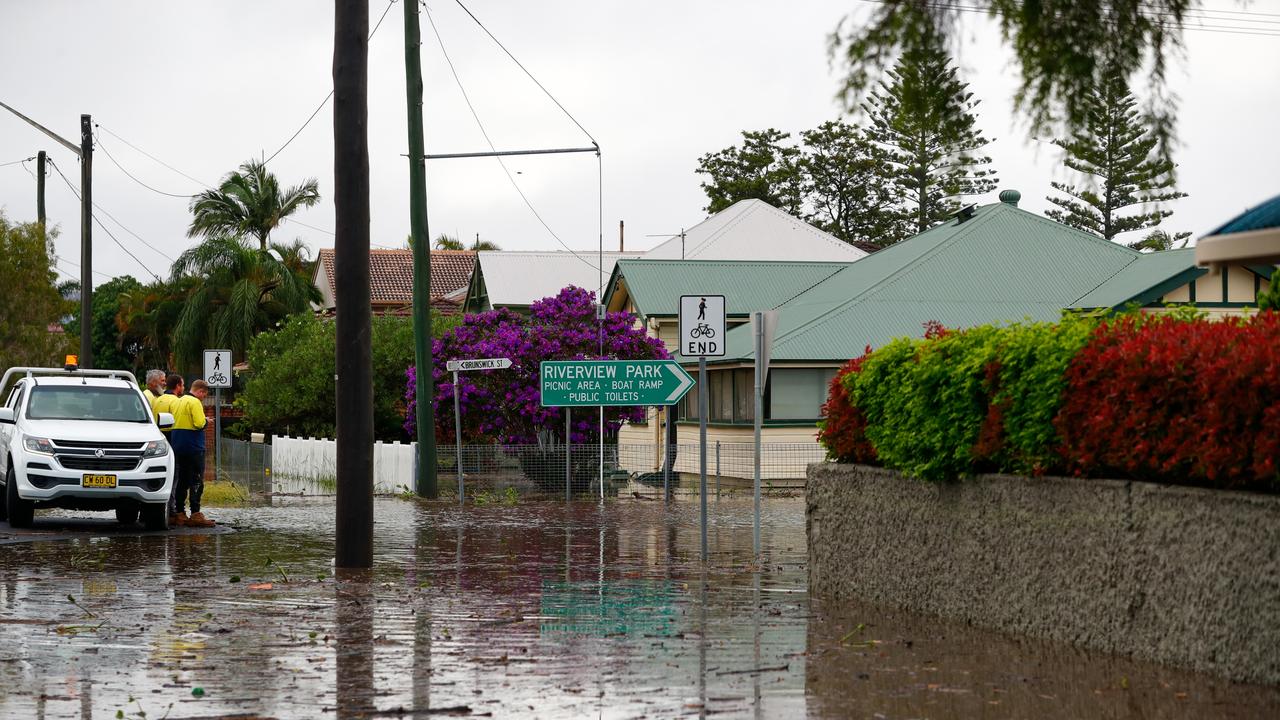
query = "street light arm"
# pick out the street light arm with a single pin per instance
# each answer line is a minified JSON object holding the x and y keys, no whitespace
{"x":65,"y":143}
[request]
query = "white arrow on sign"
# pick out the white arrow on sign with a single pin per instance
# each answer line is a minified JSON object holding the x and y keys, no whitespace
{"x":485,"y":364}
{"x":685,"y":382}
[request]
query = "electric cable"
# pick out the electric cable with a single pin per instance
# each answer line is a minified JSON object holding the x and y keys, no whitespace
{"x":108,"y":131}
{"x":328,"y":97}
{"x":17,"y":162}
{"x":103,"y":148}
{"x":493,"y":147}
{"x":104,"y":227}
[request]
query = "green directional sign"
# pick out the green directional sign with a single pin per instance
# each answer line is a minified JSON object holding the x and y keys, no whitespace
{"x":575,"y":383}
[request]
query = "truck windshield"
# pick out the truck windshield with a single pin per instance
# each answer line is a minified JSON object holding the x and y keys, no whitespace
{"x":85,"y":402}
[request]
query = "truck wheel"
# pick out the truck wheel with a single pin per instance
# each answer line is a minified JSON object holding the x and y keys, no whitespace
{"x":155,"y":516}
{"x":20,"y":511}
{"x":127,"y":514}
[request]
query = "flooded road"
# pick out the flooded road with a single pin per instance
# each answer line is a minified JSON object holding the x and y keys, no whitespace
{"x":525,"y":610}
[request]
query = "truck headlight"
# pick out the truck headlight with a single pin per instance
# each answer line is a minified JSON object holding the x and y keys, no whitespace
{"x":156,"y":448}
{"x":37,"y":445}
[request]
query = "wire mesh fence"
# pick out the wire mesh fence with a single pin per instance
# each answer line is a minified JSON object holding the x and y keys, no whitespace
{"x":247,"y":464}
{"x":309,"y":465}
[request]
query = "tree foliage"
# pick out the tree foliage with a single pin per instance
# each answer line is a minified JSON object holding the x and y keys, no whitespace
{"x":241,"y":292}
{"x":765,"y":167}
{"x":110,"y":346}
{"x":1060,"y":51}
{"x":505,"y":404}
{"x":249,"y":202}
{"x":834,"y":179}
{"x":846,"y":192}
{"x":922,"y":115}
{"x":1115,"y":150}
{"x":32,"y":308}
{"x":289,"y":387}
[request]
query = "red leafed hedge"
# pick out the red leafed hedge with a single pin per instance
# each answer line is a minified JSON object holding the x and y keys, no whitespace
{"x":843,"y":429}
{"x":1178,"y":401}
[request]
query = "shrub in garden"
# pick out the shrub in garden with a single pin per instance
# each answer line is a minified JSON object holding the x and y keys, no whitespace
{"x":1164,"y":398}
{"x":289,"y":387}
{"x":843,"y":428}
{"x":504,"y":405}
{"x":925,"y":401}
{"x":1025,"y":382}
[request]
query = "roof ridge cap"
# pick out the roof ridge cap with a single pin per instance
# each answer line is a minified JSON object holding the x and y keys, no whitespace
{"x":811,"y":228}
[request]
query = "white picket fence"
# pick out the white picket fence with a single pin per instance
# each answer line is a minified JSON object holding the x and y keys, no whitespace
{"x":315,"y":461}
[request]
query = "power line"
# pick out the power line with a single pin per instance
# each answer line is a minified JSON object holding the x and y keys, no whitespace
{"x":485,"y":133}
{"x":115,"y":162}
{"x":124,"y":227}
{"x":526,"y":70}
{"x":17,"y":162}
{"x":328,"y":97}
{"x":108,"y":131}
{"x":104,"y":227}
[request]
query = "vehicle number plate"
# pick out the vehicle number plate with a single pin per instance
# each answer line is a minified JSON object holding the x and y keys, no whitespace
{"x":98,"y":481}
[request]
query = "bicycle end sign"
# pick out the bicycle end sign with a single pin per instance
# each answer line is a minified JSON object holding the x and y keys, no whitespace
{"x":702,"y":325}
{"x":217,"y":368}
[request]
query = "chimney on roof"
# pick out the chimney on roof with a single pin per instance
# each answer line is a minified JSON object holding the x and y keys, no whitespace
{"x":1010,"y":197}
{"x":621,"y":242}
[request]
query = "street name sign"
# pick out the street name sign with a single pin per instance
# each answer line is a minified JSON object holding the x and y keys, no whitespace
{"x":702,"y":325}
{"x":217,"y":368}
{"x":486,"y":364}
{"x":588,"y":383}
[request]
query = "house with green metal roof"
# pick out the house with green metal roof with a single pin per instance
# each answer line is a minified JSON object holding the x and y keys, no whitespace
{"x":994,"y":263}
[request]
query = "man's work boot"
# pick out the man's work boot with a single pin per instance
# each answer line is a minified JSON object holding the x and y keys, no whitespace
{"x":199,"y":520}
{"x":178,"y":520}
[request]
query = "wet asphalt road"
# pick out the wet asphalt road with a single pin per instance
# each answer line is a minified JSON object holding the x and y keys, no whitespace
{"x":532,"y":610}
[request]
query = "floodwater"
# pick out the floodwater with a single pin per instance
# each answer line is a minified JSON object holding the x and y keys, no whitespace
{"x":530,"y":610}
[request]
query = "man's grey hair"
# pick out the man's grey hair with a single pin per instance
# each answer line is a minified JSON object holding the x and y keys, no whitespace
{"x":154,"y":376}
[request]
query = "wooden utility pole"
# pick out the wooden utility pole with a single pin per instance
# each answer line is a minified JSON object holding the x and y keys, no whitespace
{"x":41,"y":158}
{"x":354,"y":514}
{"x":86,"y":242}
{"x":424,"y":389}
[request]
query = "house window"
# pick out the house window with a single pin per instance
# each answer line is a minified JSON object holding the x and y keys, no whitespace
{"x":798,"y":393}
{"x":728,"y":397}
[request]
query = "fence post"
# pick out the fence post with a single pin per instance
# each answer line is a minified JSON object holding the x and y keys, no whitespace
{"x":717,"y":469}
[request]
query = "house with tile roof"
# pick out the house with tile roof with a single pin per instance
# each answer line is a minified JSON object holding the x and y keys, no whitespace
{"x":391,"y":280}
{"x":994,"y":263}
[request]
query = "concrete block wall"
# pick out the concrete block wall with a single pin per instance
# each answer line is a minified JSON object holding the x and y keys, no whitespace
{"x":1183,"y":576}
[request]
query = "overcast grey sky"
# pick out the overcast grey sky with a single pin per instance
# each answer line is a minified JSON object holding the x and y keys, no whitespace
{"x":205,"y":86}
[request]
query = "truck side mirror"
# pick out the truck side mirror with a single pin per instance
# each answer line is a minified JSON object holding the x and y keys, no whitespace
{"x":165,"y":421}
{"x":6,"y":416}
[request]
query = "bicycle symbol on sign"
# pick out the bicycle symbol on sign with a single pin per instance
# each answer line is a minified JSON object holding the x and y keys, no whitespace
{"x":702,"y":330}
{"x":218,"y":379}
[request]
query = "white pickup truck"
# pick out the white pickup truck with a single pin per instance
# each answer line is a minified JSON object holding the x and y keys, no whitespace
{"x":82,"y":440}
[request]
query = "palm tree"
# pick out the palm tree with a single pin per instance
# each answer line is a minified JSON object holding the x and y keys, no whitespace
{"x":242,"y":291}
{"x":248,"y":202}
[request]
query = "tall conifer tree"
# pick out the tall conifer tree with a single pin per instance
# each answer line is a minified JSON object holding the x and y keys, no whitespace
{"x":1117,"y":152}
{"x":923,"y":116}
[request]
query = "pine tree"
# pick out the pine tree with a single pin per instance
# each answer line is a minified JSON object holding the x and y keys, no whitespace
{"x":1116,"y":150}
{"x":923,"y":116}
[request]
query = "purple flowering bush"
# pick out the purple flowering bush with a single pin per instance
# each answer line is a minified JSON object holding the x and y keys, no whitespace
{"x":503,"y":405}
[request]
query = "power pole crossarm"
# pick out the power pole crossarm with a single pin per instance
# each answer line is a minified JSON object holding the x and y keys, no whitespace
{"x":61,"y":140}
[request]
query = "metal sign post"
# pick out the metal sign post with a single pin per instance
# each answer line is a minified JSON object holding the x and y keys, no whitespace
{"x":702,"y":331}
{"x":456,"y":366}
{"x":762,"y":325}
{"x":457,"y":441}
{"x":217,"y":373}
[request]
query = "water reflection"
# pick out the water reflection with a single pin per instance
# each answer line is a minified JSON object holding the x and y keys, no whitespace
{"x":533,"y":610}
